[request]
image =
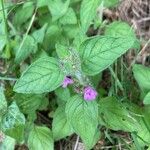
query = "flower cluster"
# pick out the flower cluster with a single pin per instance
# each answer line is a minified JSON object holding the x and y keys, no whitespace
{"x":67,"y":81}
{"x":89,"y":93}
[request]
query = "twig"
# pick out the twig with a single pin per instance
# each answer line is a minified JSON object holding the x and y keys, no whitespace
{"x":140,"y":53}
{"x":76,"y":145}
{"x":43,"y":117}
{"x":114,"y":146}
{"x":8,"y":79}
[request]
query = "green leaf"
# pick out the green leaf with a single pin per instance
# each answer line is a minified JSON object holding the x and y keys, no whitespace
{"x":40,"y":138}
{"x":147,"y":99}
{"x":83,"y":117}
{"x":119,"y":29}
{"x":52,"y":36}
{"x":69,"y":17}
{"x":144,"y":131}
{"x":44,"y":75}
{"x":142,"y":76}
{"x":58,"y":8}
{"x":44,"y":104}
{"x":110,"y":3}
{"x":62,"y":51}
{"x":71,"y":31}
{"x":13,"y":122}
{"x":29,"y":46}
{"x":42,"y":3}
{"x":100,"y":52}
{"x":79,"y":40}
{"x":8,"y":143}
{"x":88,"y":13}
{"x":28,"y":103}
{"x":114,"y":115}
{"x":75,"y":1}
{"x":3,"y":103}
{"x":38,"y":35}
{"x":2,"y":36}
{"x":63,"y":94}
{"x":122,"y":29}
{"x":96,"y":137}
{"x":61,"y":127}
{"x":23,"y":13}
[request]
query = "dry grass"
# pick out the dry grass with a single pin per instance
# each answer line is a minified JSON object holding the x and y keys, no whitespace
{"x":137,"y":13}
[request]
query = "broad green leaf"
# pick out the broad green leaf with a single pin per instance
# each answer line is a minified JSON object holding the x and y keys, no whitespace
{"x":40,"y":138}
{"x":63,"y":94}
{"x":141,"y":114}
{"x":119,"y":29}
{"x":110,"y":3}
{"x":3,"y":103}
{"x":69,"y":17}
{"x":144,"y":132}
{"x":100,"y":52}
{"x":61,"y":127}
{"x":44,"y":75}
{"x":8,"y":143}
{"x":13,"y":122}
{"x":23,"y":13}
{"x":79,"y":40}
{"x":71,"y":31}
{"x":122,"y":29}
{"x":29,"y":46}
{"x":44,"y":104}
{"x":42,"y":3}
{"x":96,"y":137}
{"x":44,"y":16}
{"x":52,"y":36}
{"x":147,"y":99}
{"x":83,"y":117}
{"x":29,"y":103}
{"x":62,"y":51}
{"x":142,"y":76}
{"x":88,"y":13}
{"x":58,"y":8}
{"x":114,"y":115}
{"x":75,"y":1}
{"x":38,"y":35}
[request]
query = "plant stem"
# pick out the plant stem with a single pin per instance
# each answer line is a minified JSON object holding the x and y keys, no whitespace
{"x":8,"y":79}
{"x":116,"y":78}
{"x":29,"y":27}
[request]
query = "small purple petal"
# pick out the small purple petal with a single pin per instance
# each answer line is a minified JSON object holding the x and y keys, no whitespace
{"x":67,"y":81}
{"x":89,"y":93}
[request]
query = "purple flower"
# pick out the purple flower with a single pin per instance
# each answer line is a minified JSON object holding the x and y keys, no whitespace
{"x":67,"y":81}
{"x":89,"y":93}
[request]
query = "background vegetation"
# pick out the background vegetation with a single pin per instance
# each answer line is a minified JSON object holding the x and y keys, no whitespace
{"x":101,"y":44}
